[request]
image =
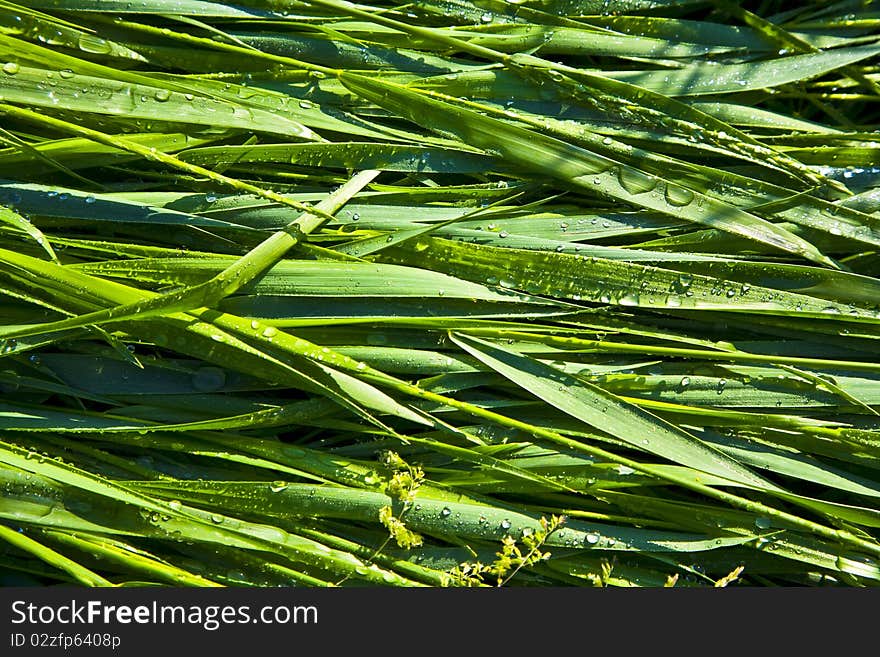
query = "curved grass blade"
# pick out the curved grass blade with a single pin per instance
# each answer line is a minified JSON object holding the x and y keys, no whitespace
{"x":214,"y":342}
{"x":578,"y":168}
{"x":444,"y":517}
{"x":305,"y":277}
{"x":210,"y":527}
{"x":81,"y":574}
{"x":152,"y":155}
{"x":127,"y":557}
{"x":137,"y":101}
{"x":348,"y":155}
{"x":599,"y":280}
{"x":703,"y":79}
{"x":608,"y":412}
{"x":233,"y":277}
{"x":77,"y":153}
{"x":161,"y":7}
{"x":72,"y":204}
{"x":15,"y":220}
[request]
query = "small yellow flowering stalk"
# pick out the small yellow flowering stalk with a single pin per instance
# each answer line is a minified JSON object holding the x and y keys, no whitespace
{"x":402,"y":485}
{"x":602,"y":577}
{"x":404,"y":537}
{"x":405,"y":480}
{"x":511,"y":559}
{"x":467,"y":574}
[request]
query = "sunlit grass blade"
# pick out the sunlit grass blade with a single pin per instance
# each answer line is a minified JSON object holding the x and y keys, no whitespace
{"x":456,"y":293}
{"x":580,"y":169}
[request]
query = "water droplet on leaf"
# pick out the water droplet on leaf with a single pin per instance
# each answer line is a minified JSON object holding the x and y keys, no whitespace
{"x":678,"y":196}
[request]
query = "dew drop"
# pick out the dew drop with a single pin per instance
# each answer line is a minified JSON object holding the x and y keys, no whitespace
{"x":592,"y":539}
{"x":10,"y":68}
{"x":446,"y":512}
{"x":505,"y":524}
{"x":635,"y":181}
{"x":678,"y":196}
{"x":93,"y":44}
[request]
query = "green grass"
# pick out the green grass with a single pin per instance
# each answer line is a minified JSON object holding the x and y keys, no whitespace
{"x":486,"y":293}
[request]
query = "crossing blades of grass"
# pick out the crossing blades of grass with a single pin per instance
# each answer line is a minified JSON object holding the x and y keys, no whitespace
{"x":336,"y":294}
